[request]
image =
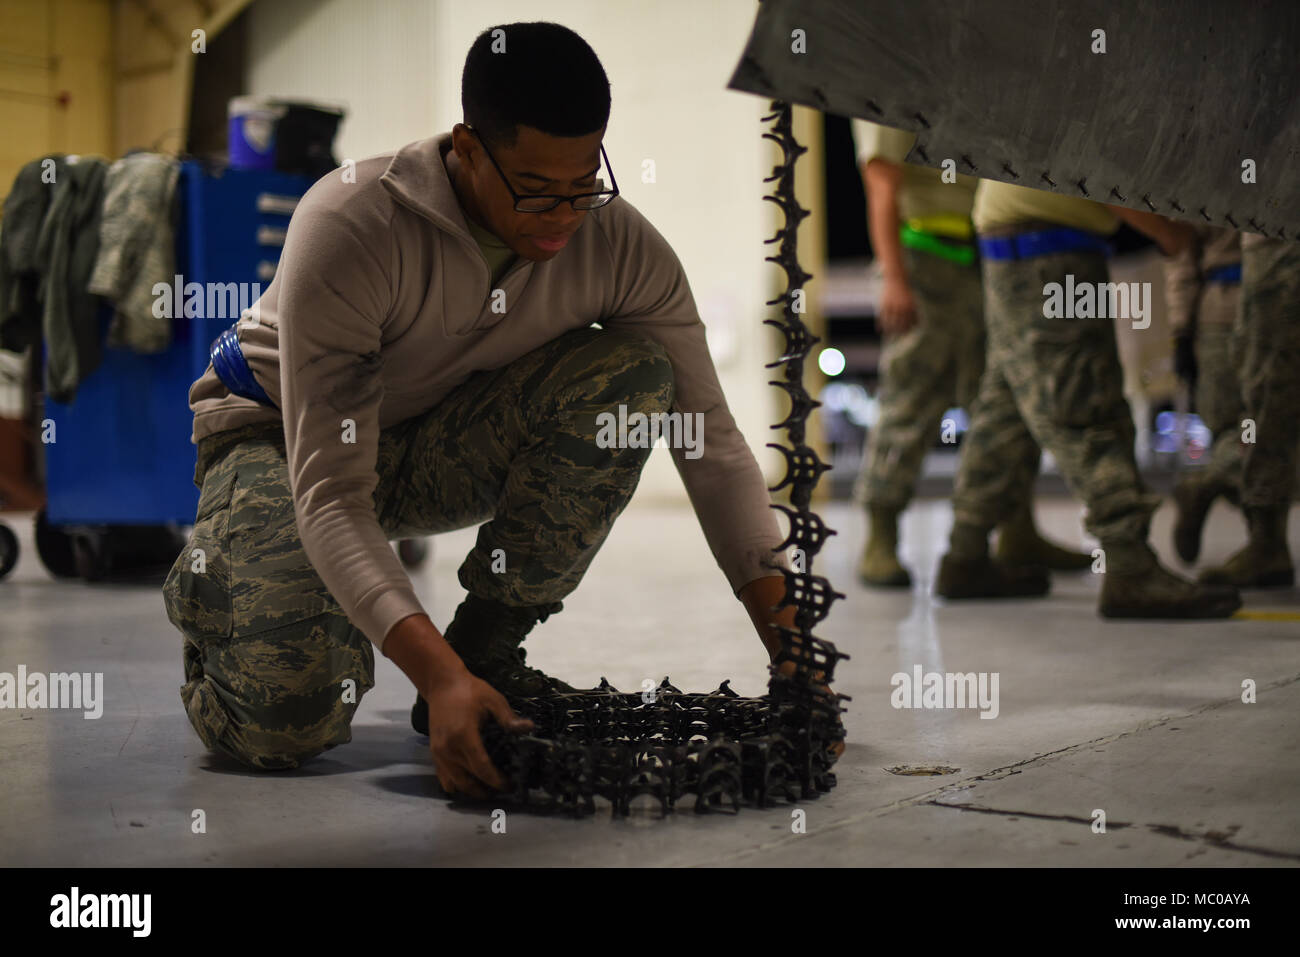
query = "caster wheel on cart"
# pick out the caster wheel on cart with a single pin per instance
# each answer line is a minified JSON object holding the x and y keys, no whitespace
{"x":54,"y":546}
{"x":8,"y":550}
{"x":412,"y":551}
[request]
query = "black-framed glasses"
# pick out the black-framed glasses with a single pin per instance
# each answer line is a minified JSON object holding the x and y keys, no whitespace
{"x":545,"y":202}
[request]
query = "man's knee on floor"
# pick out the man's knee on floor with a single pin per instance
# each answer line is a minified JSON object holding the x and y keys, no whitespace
{"x":278,"y":738}
{"x":277,"y":698}
{"x":286,"y":749}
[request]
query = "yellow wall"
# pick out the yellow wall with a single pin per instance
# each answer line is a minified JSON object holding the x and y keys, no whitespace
{"x":49,"y":47}
{"x":125,"y":65}
{"x":149,"y":37}
{"x":154,"y":67}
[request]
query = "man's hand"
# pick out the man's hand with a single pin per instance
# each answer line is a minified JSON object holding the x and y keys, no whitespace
{"x":882,"y":180}
{"x":458,"y":703}
{"x":789,"y":669}
{"x":897,"y":307}
{"x":760,"y":596}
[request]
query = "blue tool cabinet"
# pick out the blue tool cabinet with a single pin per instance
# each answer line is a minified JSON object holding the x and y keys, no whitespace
{"x":121,"y":454}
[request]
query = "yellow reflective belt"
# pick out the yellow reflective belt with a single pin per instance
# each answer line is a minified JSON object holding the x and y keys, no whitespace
{"x":948,"y":225}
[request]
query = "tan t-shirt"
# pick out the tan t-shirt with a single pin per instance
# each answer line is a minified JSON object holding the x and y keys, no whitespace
{"x":383,"y":304}
{"x":923,"y":191}
{"x":1002,"y":204}
{"x":499,"y":256}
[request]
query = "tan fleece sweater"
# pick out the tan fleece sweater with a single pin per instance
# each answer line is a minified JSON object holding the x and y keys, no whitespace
{"x":381,"y":306}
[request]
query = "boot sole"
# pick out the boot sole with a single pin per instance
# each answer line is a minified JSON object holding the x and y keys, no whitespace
{"x":1223,"y":609}
{"x":1277,"y":579}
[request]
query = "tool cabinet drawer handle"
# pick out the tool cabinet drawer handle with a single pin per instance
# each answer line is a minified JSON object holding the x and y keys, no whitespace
{"x":275,"y":203}
{"x":271,"y":235}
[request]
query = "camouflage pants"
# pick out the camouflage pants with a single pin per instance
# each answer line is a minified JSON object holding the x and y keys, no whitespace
{"x":1218,"y":388}
{"x":267,"y":648}
{"x":1054,"y":383}
{"x":925,"y":371}
{"x":1270,"y":370}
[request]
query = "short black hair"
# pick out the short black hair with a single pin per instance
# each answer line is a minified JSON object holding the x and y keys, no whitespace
{"x":535,"y":74}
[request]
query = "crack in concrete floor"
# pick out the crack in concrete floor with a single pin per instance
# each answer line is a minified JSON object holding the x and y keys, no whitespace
{"x":931,"y":798}
{"x":1218,"y":839}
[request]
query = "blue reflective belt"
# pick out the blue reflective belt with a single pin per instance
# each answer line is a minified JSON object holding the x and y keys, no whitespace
{"x":1029,"y":245}
{"x":232,"y":368}
{"x":1225,"y":274}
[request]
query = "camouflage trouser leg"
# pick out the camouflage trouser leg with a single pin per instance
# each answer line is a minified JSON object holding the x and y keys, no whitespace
{"x":1270,"y":370}
{"x":1057,"y":383}
{"x":1218,"y":388}
{"x":274,"y":670}
{"x":518,"y":447}
{"x":925,"y":371}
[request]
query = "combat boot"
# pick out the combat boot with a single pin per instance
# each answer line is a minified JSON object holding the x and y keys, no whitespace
{"x":1020,"y":544}
{"x":1192,"y":500}
{"x":1136,"y":585}
{"x":967,"y":571}
{"x":879,"y":566}
{"x":1265,"y":562}
{"x":986,"y":577}
{"x":488,"y":637}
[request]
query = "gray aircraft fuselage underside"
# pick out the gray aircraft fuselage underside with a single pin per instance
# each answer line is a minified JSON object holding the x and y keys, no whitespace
{"x":1190,"y":99}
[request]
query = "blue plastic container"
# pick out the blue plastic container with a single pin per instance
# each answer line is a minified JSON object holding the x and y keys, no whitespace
{"x":251,"y":132}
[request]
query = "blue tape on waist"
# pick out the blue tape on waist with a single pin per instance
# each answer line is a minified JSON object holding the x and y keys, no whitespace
{"x":1225,"y":274}
{"x":1029,"y":245}
{"x":232,"y":368}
